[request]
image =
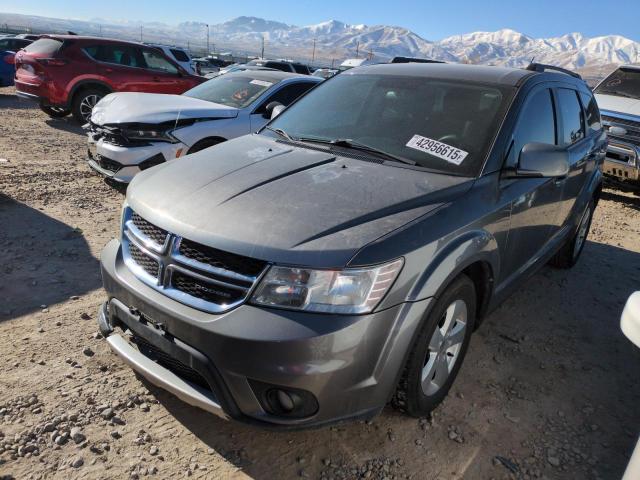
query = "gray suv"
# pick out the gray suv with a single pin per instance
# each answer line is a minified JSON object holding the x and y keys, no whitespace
{"x":341,"y":258}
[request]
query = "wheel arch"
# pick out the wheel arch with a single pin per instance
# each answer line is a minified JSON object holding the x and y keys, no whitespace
{"x":213,"y":138}
{"x":88,"y":83}
{"x":474,"y":254}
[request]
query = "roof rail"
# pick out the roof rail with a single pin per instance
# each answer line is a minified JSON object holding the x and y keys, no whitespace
{"x":541,"y":67}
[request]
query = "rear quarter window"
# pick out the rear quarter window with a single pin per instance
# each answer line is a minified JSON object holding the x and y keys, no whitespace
{"x":179,"y":55}
{"x":44,"y":46}
{"x":594,"y":124}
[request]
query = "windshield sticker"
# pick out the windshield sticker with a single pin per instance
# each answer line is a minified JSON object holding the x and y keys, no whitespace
{"x":262,"y":83}
{"x":438,"y":149}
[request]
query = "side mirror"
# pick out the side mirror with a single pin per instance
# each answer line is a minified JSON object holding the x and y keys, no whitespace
{"x":630,"y":319}
{"x":270,"y":108}
{"x":542,"y":160}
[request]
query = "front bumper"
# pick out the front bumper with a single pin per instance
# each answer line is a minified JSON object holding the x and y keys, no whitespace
{"x":622,"y":161}
{"x":121,"y":164}
{"x":348,"y":364}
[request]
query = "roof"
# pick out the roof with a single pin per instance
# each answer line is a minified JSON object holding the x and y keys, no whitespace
{"x":92,"y":38}
{"x":451,"y":71}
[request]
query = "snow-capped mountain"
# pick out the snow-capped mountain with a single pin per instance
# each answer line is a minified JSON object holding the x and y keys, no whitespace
{"x":335,"y":40}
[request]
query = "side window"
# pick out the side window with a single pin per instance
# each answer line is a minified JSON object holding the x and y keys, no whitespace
{"x":179,"y":55}
{"x":286,"y":95}
{"x":594,"y":124}
{"x":571,"y":114}
{"x":116,"y":54}
{"x":536,"y":123}
{"x":155,"y":61}
{"x":4,"y":45}
{"x":285,"y":67}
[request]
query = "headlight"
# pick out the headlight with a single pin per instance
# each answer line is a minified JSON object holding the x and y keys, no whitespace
{"x":350,"y":291}
{"x":151,"y":135}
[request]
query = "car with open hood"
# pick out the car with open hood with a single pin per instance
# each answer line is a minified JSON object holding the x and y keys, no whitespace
{"x":130,"y":132}
{"x":342,"y":257}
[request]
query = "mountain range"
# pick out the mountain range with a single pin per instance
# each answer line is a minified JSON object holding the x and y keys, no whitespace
{"x":335,"y":40}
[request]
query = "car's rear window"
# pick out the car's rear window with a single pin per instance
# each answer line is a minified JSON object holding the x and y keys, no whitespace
{"x":179,"y":55}
{"x":44,"y":46}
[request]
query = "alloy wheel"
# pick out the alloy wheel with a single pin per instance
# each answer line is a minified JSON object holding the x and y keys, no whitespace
{"x":87,"y":104}
{"x":444,"y":347}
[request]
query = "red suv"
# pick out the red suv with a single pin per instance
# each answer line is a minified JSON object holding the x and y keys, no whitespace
{"x":69,"y":74}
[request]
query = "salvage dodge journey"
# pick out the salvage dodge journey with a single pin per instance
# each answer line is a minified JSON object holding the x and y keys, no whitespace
{"x":341,"y":258}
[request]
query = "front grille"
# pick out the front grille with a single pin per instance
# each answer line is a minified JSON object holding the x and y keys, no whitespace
{"x":202,"y":277}
{"x":207,"y":291}
{"x":147,"y":263}
{"x":219,"y":259}
{"x":632,"y":127}
{"x":180,"y":369}
{"x":156,"y":234}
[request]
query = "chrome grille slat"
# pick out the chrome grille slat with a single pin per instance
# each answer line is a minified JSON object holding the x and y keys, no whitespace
{"x":202,"y":285}
{"x":632,"y":128}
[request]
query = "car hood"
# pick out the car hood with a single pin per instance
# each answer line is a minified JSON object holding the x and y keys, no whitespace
{"x":279,"y":202}
{"x":153,"y":108}
{"x":613,"y":103}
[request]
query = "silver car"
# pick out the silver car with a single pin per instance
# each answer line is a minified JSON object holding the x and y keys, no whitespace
{"x":130,"y":132}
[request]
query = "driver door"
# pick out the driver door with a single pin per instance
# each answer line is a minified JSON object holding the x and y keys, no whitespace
{"x":535,"y":202}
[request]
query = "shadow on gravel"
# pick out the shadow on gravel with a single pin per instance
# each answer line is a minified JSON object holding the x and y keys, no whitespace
{"x":631,"y":202}
{"x":67,"y":124}
{"x":566,"y":319}
{"x":42,"y":261}
{"x":9,"y":100}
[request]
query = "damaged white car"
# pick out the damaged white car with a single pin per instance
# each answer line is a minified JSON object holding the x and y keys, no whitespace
{"x":130,"y":132}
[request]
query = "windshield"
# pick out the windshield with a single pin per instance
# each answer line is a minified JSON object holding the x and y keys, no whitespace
{"x":441,"y":125}
{"x":236,"y":90}
{"x":624,"y":82}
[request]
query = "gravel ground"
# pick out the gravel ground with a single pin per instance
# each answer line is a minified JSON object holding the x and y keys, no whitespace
{"x":549,"y":388}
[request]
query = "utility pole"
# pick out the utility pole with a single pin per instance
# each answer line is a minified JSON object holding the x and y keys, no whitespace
{"x":140,"y":33}
{"x":313,"y":56}
{"x":208,"y":51}
{"x":262,"y":51}
{"x":100,"y":27}
{"x":370,"y":54}
{"x":358,"y":49}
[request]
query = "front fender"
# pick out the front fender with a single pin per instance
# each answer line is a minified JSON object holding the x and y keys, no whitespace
{"x":461,"y":252}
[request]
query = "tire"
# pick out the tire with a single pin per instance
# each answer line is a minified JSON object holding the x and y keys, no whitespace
{"x":83,"y":103}
{"x":569,"y":253}
{"x":204,"y":143}
{"x":55,"y":112}
{"x":435,"y":357}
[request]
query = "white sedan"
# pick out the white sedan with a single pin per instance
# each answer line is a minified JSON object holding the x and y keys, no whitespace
{"x":130,"y":132}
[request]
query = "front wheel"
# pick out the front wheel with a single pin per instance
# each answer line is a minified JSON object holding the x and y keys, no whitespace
{"x":570,"y":252}
{"x":439,"y":350}
{"x":55,"y":112}
{"x":83,"y":103}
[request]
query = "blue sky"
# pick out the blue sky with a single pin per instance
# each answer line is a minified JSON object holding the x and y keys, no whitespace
{"x":431,"y":19}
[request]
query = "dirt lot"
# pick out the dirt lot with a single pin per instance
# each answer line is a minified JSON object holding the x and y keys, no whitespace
{"x":549,"y":389}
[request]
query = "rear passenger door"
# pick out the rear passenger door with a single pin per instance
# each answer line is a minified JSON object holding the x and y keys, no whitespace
{"x":581,"y":142}
{"x":534,"y":201}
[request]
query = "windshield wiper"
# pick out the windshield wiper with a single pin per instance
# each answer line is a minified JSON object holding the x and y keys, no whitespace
{"x":354,"y":145}
{"x":280,"y":132}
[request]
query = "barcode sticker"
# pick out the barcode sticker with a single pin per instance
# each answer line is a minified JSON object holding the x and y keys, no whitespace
{"x":438,"y":149}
